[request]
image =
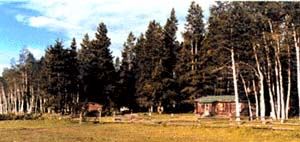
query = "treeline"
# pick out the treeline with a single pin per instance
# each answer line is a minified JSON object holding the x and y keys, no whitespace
{"x":247,"y":49}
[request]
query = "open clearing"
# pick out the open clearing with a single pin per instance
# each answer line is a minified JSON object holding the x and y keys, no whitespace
{"x":157,"y":128}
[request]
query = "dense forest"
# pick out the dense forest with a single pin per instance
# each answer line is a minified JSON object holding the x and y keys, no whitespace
{"x":246,"y":49}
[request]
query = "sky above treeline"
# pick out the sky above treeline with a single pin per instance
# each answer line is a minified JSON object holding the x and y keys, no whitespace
{"x":36,"y":24}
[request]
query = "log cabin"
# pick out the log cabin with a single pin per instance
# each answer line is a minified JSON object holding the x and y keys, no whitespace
{"x":223,"y":105}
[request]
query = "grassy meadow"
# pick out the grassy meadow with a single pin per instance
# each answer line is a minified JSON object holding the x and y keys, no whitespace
{"x":157,"y":128}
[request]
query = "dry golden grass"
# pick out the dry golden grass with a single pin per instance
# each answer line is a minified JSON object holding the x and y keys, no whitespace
{"x":157,"y":128}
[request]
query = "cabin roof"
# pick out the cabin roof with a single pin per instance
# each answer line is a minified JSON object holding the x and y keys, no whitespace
{"x":211,"y":99}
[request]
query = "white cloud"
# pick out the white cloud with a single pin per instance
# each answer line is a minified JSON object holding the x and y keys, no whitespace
{"x":20,"y":18}
{"x":37,"y":52}
{"x":77,"y":17}
{"x":2,"y":67}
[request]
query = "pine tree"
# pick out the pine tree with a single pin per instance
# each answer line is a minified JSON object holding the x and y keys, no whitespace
{"x":149,"y":88}
{"x":170,"y":51}
{"x":189,"y":77}
{"x":83,"y":61}
{"x":171,"y":44}
{"x":139,"y":68}
{"x":72,"y":76}
{"x":97,"y":69}
{"x":127,"y":75}
{"x":56,"y":76}
{"x":182,"y":68}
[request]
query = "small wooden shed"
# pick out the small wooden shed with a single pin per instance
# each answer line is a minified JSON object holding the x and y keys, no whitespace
{"x":223,"y":105}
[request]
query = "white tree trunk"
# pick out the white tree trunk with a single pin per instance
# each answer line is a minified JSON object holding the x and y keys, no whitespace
{"x":281,"y":94}
{"x":27,"y":101}
{"x":261,"y":87}
{"x":280,"y":82}
{"x":41,"y":104}
{"x":262,"y":97}
{"x":5,"y":105}
{"x":22,"y":103}
{"x":236,"y":94}
{"x":256,"y":100}
{"x":296,"y":40}
{"x":23,"y":96}
{"x":248,"y":100}
{"x":270,"y":86}
{"x":31,"y":103}
{"x":15,"y":101}
{"x":36,"y":104}
{"x":15,"y":94}
{"x":277,"y":89}
{"x":289,"y":85}
{"x":20,"y":99}
{"x":8,"y":101}
{"x":11,"y":101}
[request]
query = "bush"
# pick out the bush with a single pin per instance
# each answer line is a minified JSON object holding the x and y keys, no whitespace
{"x":12,"y":116}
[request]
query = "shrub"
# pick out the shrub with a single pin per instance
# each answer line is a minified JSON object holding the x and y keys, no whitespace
{"x":12,"y":116}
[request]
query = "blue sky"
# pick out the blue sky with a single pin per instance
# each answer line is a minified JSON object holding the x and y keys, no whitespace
{"x":35,"y":24}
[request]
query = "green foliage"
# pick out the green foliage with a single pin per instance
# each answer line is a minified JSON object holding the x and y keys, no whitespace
{"x":62,"y":71}
{"x":190,"y":57}
{"x":126,"y":82}
{"x":97,"y":69}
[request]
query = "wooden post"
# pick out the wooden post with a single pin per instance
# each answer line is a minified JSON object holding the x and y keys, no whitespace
{"x":114,"y":116}
{"x":80,"y":117}
{"x":100,"y":116}
{"x":150,"y":111}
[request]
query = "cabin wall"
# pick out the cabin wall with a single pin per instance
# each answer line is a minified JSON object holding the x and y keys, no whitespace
{"x":201,"y":107}
{"x":224,"y":108}
{"x":219,"y":108}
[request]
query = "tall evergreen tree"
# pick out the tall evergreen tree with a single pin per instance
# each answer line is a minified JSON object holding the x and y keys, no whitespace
{"x":56,"y":77}
{"x":190,"y":76}
{"x":168,"y":59}
{"x":149,"y":88}
{"x":139,"y":60}
{"x":127,"y":75}
{"x":171,"y":44}
{"x":97,"y":68}
{"x":72,"y":76}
